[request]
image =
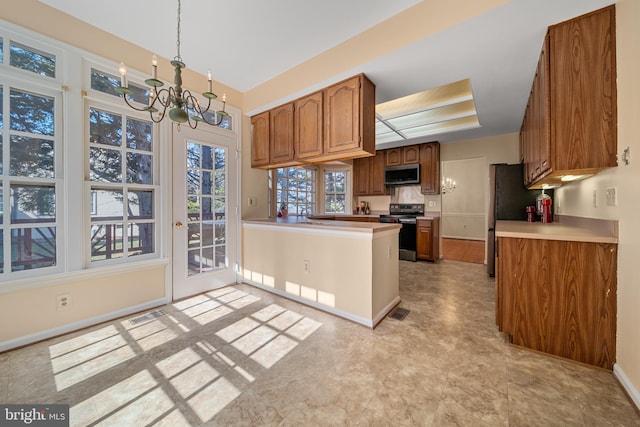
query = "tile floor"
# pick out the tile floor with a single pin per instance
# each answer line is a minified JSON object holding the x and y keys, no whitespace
{"x":239,"y":356}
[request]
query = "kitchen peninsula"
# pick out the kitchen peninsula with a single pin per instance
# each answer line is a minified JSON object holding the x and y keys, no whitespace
{"x":346,"y":268}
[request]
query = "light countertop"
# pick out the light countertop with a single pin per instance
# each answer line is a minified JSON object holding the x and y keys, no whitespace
{"x":334,"y":225}
{"x":553,"y":231}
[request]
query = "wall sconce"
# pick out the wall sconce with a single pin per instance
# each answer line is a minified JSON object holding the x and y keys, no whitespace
{"x":448,"y":185}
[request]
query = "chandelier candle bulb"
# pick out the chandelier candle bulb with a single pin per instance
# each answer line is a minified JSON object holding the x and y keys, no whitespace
{"x":123,"y":75}
{"x":154,"y":67}
{"x":224,"y":97}
{"x":209,"y":87}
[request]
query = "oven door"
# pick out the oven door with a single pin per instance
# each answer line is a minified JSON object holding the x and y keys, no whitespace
{"x":407,"y":239}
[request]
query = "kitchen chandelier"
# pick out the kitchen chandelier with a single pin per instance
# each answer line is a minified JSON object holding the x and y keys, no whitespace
{"x":183,"y":106}
{"x":448,"y":185}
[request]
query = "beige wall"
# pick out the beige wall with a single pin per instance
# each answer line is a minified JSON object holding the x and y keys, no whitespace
{"x":577,"y":199}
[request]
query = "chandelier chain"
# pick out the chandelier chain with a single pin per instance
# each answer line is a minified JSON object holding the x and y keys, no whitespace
{"x":178,"y":57}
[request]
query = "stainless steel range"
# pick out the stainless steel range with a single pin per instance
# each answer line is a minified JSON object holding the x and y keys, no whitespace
{"x":405,"y":214}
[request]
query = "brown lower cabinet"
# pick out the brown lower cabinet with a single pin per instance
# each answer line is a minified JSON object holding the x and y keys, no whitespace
{"x":428,"y":239}
{"x":558,"y":297}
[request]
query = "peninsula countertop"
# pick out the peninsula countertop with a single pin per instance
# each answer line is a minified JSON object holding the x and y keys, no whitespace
{"x":554,"y":231}
{"x":333,"y":225}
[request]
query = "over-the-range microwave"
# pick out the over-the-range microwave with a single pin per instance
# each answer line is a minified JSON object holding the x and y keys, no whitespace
{"x":402,"y":175}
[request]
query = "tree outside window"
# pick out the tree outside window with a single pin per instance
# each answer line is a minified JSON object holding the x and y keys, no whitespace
{"x":296,"y":190}
{"x":335,"y":191}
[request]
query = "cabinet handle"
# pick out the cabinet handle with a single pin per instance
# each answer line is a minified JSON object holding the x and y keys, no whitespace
{"x":608,"y":292}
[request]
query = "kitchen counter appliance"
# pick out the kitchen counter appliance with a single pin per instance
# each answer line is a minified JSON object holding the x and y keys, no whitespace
{"x":405,"y":214}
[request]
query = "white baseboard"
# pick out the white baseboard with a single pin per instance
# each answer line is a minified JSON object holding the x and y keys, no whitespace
{"x":626,"y":383}
{"x":59,"y":330}
{"x":370,"y":323}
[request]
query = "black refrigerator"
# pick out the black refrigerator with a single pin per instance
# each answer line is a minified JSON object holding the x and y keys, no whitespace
{"x":508,"y":199}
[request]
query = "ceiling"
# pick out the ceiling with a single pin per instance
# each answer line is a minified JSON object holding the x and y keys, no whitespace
{"x":497,"y":51}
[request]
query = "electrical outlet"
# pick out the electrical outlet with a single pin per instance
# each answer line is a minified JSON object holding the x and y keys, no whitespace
{"x":253,"y":201}
{"x":432,"y":204}
{"x":64,"y":302}
{"x":307,"y":266}
{"x":612,"y":198}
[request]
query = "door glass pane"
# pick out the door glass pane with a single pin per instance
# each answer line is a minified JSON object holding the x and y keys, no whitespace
{"x":34,"y":60}
{"x":32,"y":157}
{"x":193,"y":262}
{"x":32,"y":113}
{"x":33,"y":248}
{"x":221,"y":258}
{"x":207,"y":225}
{"x":32,"y":203}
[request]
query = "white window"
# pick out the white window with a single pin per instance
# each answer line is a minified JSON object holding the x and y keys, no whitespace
{"x":335,"y":191}
{"x":295,"y":190}
{"x":30,"y":162}
{"x":122,"y":164}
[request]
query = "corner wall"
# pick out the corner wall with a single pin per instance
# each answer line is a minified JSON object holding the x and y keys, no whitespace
{"x":577,"y":199}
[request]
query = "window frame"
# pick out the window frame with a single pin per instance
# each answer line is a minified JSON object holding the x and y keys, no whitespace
{"x":13,"y":78}
{"x":109,"y":103}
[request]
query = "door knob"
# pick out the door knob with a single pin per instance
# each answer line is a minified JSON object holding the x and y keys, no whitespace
{"x":178,"y":224}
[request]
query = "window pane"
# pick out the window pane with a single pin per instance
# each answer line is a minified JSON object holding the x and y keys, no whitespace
{"x":207,"y":233}
{"x":220,"y":157}
{"x":193,"y":181}
{"x":106,"y":241}
{"x":140,"y":239}
{"x":193,"y":208}
{"x":140,"y":204}
{"x":105,"y":165}
{"x":105,"y":128}
{"x":207,"y":157}
{"x":193,"y":236}
{"x":221,"y":233}
{"x":1,"y":209}
{"x":1,"y":50}
{"x":193,"y":155}
{"x":1,"y":156}
{"x":33,"y":248}
{"x":32,"y":203}
{"x":1,"y":97}
{"x":107,"y":83}
{"x":139,"y":134}
{"x":220,"y":184}
{"x":109,"y":205}
{"x":139,"y":168}
{"x":32,"y":113}
{"x":221,"y":258}
{"x":30,"y":59}
{"x":193,"y":262}
{"x":31,"y":157}
{"x":207,"y":212}
{"x":207,"y":259}
{"x":207,"y":183}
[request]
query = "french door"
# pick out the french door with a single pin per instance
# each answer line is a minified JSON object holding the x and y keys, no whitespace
{"x":205,"y":218}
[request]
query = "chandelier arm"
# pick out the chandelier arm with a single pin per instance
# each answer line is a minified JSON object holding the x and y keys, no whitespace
{"x":124,"y":96}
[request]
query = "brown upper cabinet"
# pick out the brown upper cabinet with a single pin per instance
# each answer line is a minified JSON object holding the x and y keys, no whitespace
{"x":368,"y":175}
{"x":350,"y":119}
{"x":570,"y":124}
{"x":430,"y":168}
{"x":336,"y":123}
{"x":281,"y":150}
{"x":403,"y":155}
{"x":260,"y":140}
{"x":308,"y":117}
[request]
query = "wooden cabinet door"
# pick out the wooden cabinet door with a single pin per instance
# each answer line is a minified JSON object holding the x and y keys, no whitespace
{"x":342,"y":115}
{"x":542,"y":119}
{"x":361,"y":176}
{"x":393,"y":156}
{"x":424,"y":240}
{"x":430,"y":168}
{"x":558,"y":300}
{"x":260,"y":140}
{"x":411,"y":155}
{"x":281,"y":143}
{"x":583,"y":91}
{"x":308,"y":126}
{"x":376,"y":175}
